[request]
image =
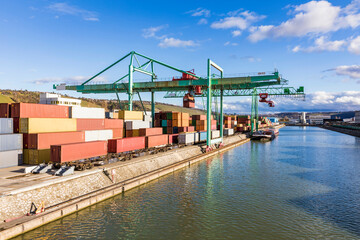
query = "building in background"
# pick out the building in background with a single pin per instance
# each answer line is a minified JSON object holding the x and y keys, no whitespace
{"x":273,"y":119}
{"x":357,"y":117}
{"x":303,"y":118}
{"x":318,"y":119}
{"x":56,"y":99}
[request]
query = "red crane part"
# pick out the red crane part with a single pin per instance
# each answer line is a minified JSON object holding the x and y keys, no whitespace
{"x":263,"y":95}
{"x":198,"y":90}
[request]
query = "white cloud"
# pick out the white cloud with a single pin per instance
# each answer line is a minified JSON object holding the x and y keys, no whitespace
{"x":203,"y":21}
{"x":352,"y":71}
{"x":174,"y":42}
{"x":354,"y":46}
{"x":236,"y":33}
{"x":230,"y":44}
{"x":152,"y":31}
{"x":68,"y":80}
{"x":322,"y":44}
{"x":200,"y":12}
{"x":252,"y":59}
{"x":238,"y":20}
{"x":314,"y":17}
{"x":66,"y":9}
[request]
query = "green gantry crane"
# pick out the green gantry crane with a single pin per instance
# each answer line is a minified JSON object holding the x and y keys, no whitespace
{"x":282,"y":91}
{"x":145,"y":65}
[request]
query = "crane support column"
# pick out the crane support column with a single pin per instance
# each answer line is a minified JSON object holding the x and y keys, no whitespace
{"x":221,"y":113}
{"x":130,"y":90}
{"x":208,"y":112}
{"x":152,"y":97}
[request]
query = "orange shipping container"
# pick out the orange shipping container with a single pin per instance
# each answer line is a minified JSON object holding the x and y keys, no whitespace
{"x":83,"y":124}
{"x":176,"y":115}
{"x":77,"y":151}
{"x":176,"y":123}
{"x":113,"y":123}
{"x":126,"y":144}
{"x":154,"y":141}
{"x":45,"y":140}
{"x":150,"y":131}
{"x":33,"y":110}
{"x":118,"y":132}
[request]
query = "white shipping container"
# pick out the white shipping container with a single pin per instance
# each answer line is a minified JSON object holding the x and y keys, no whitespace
{"x":228,"y":131}
{"x":6,"y":125}
{"x":137,"y":124}
{"x":10,"y":142}
{"x":196,"y":137}
{"x":186,"y":138}
{"x":215,"y":134}
{"x":98,"y":135}
{"x":148,"y":118}
{"x":11,"y":158}
{"x":86,"y":112}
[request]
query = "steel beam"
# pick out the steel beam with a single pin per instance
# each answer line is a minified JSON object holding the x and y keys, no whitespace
{"x":221,"y":114}
{"x":208,"y":104}
{"x":152,"y":98}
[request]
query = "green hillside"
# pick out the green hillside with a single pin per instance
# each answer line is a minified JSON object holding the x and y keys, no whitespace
{"x":7,"y":96}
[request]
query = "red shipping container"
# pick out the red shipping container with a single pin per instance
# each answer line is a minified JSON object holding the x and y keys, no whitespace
{"x":16,"y":125}
{"x":173,"y":138}
{"x":188,"y":104}
{"x":157,"y":123}
{"x":83,"y":124}
{"x":191,"y":129}
{"x":5,"y":110}
{"x":183,"y":129}
{"x":77,"y":151}
{"x":45,"y":140}
{"x":114,"y":123}
{"x":118,"y":133}
{"x":128,"y":133}
{"x":126,"y":144}
{"x":199,"y":117}
{"x":150,"y":131}
{"x":158,"y":140}
{"x":33,"y":110}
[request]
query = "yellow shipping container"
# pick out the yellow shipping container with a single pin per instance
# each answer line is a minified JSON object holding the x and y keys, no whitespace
{"x":46,"y":125}
{"x":130,"y":115}
{"x":32,"y":156}
{"x":176,"y":115}
{"x":135,"y":132}
{"x":185,"y":116}
{"x":185,"y":123}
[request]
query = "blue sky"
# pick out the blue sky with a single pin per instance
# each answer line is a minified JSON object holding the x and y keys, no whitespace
{"x":315,"y":44}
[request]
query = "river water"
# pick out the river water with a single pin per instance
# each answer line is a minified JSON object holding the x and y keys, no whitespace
{"x":303,"y":185}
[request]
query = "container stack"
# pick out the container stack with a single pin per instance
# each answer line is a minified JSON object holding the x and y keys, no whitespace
{"x":133,"y":121}
{"x":264,"y":122}
{"x":33,"y":119}
{"x":44,"y":125}
{"x":11,"y":153}
{"x":173,"y":122}
{"x":243,"y":123}
{"x":200,"y":123}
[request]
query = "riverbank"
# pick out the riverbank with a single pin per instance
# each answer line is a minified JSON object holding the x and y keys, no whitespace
{"x":63,"y":196}
{"x":351,"y":132}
